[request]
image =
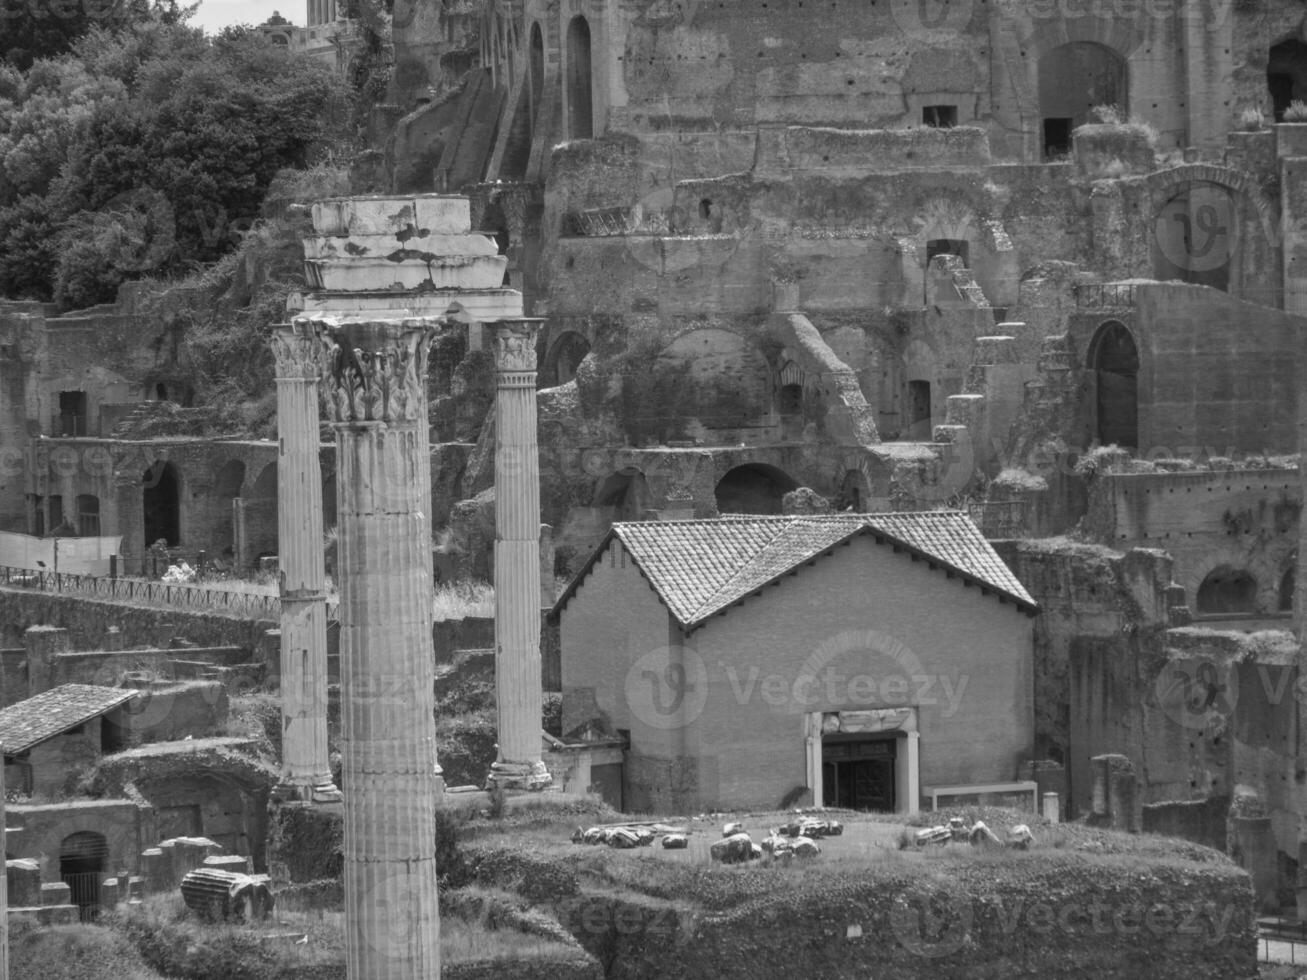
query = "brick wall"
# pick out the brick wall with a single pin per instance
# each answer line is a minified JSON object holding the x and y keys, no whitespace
{"x":963,"y":659}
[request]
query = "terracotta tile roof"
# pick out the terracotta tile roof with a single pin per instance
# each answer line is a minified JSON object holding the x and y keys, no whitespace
{"x":700,"y":568}
{"x":52,"y":713}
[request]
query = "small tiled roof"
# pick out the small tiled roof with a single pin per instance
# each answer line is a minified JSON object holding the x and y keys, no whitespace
{"x":699,"y":568}
{"x":46,"y":715}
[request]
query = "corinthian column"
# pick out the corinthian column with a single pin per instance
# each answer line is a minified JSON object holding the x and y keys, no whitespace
{"x":377,"y":377}
{"x":517,"y":559}
{"x":305,"y":768}
{"x":4,"y":889}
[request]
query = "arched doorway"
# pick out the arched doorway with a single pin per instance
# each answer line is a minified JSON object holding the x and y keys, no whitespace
{"x":1196,"y":235}
{"x":1288,"y":584}
{"x":625,"y":494}
{"x":1286,"y":75}
{"x":566,"y":355}
{"x":83,"y":857}
{"x":580,"y":98}
{"x":1227,"y":590}
{"x":1073,"y":79}
{"x":261,"y":514}
{"x":536,"y":66}
{"x":1115,"y":362}
{"x":754,"y":488}
{"x":161,"y":499}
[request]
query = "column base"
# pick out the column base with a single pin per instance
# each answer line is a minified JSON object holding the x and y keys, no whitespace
{"x":519,"y":775}
{"x":327,"y":792}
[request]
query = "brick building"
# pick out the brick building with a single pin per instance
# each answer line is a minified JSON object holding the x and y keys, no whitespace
{"x":758,"y":661}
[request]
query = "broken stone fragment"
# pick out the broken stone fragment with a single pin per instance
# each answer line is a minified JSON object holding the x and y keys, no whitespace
{"x":1020,"y":837}
{"x":676,"y":841}
{"x":981,"y":834}
{"x":731,"y":829}
{"x":933,"y":835}
{"x":735,"y":849}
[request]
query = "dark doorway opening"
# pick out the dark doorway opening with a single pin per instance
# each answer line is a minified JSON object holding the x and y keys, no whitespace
{"x":1057,"y":138}
{"x":82,"y":860}
{"x":1227,"y":590}
{"x":72,"y":413}
{"x":88,"y":515}
{"x":947,"y":246}
{"x":859,"y":772}
{"x":537,"y":70}
{"x":939,"y":116}
{"x":754,"y":488}
{"x":1288,"y":583}
{"x":1115,"y":362}
{"x":162,"y":504}
{"x":1286,"y":75}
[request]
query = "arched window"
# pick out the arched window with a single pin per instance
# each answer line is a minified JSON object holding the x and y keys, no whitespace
{"x":580,"y":105}
{"x":1227,"y":590}
{"x":536,"y":66}
{"x":754,"y":488}
{"x":1073,"y":79}
{"x":1114,"y":359}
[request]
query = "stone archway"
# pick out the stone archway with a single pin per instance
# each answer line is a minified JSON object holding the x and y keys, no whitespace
{"x":580,"y":94}
{"x":565,"y":355}
{"x":1226,"y":590}
{"x":754,"y":488}
{"x":1114,"y":361}
{"x":1073,"y":79}
{"x":83,"y":861}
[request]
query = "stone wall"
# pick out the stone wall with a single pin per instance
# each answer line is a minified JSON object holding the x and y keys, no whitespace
{"x":42,"y":828}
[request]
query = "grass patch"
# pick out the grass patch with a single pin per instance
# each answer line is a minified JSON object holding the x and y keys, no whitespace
{"x":463,"y":600}
{"x":73,"y":953}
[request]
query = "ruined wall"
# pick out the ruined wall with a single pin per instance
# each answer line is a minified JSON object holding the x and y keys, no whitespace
{"x":126,"y":826}
{"x":88,"y":620}
{"x":1243,"y":519}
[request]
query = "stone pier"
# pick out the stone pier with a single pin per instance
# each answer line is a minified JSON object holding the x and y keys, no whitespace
{"x":376,"y":374}
{"x":517,"y":559}
{"x":306,"y":769}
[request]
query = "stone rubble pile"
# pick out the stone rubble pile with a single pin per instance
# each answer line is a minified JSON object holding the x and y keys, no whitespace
{"x":977,"y":834}
{"x":632,"y":835}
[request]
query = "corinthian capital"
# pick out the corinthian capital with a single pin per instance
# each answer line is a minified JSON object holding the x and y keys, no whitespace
{"x":376,"y":370}
{"x":297,"y":350}
{"x":515,"y":344}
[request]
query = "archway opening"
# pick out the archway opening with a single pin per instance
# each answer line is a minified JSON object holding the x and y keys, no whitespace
{"x":852,"y":497}
{"x":1115,"y":360}
{"x":1195,"y":235}
{"x":1288,"y":584}
{"x":82,"y":860}
{"x":536,"y":66}
{"x":261,"y":514}
{"x":789,"y":400}
{"x":162,"y":504}
{"x":566,"y":355}
{"x":580,"y":104}
{"x":1286,"y":75}
{"x":1073,"y":79}
{"x":625,"y":494}
{"x":88,"y":515}
{"x":1227,"y":590}
{"x":754,"y":488}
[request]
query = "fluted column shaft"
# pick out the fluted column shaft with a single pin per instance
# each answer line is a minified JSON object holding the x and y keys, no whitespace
{"x":517,"y":557}
{"x":306,"y":768}
{"x":4,"y":889}
{"x":388,"y":739}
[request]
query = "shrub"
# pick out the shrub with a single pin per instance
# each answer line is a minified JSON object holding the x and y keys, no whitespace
{"x":1297,"y":111}
{"x":1252,"y":119}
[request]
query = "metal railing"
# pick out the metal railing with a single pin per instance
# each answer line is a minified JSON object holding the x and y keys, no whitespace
{"x":208,"y":596}
{"x":1097,"y":295}
{"x":84,"y":892}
